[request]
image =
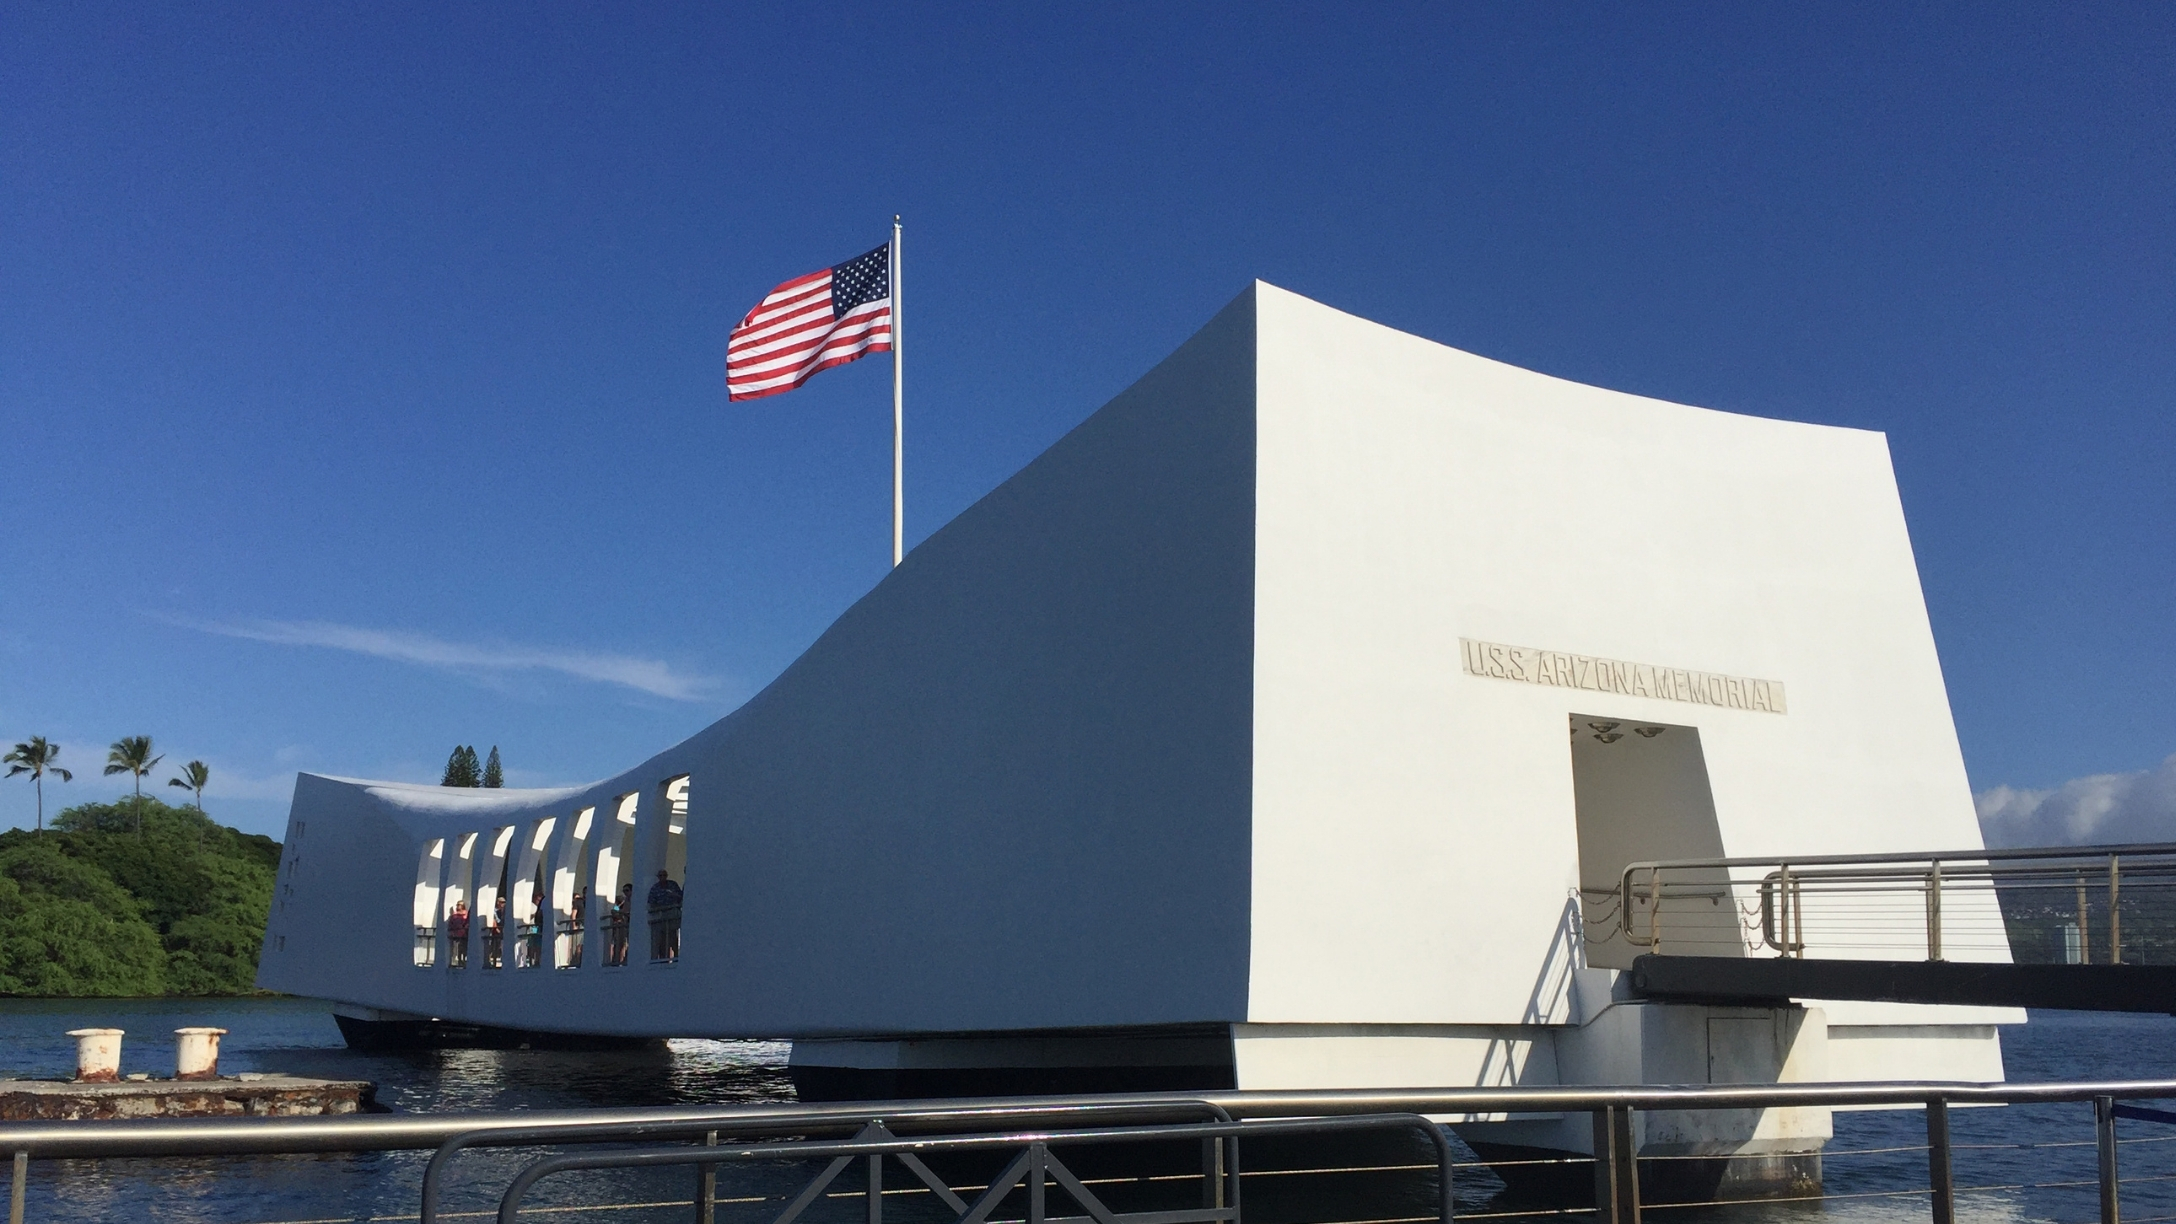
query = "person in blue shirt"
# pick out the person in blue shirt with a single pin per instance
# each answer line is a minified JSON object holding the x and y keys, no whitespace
{"x":664,"y":902}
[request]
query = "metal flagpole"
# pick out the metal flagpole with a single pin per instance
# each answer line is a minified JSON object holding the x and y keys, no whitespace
{"x":899,"y":417}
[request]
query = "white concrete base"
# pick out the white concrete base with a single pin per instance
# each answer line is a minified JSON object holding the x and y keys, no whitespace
{"x":1623,"y":1043}
{"x":1967,"y":1052}
{"x":1393,"y":1055}
{"x":1626,"y":1043}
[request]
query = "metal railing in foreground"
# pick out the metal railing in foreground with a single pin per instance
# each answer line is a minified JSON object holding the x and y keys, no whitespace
{"x":1968,"y":904}
{"x":745,"y":1123}
{"x":1032,"y":1169}
{"x":912,"y":1127}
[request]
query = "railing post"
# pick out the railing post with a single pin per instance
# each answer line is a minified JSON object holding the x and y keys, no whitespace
{"x":2085,"y":941}
{"x":1934,"y":912}
{"x":1768,"y":912}
{"x":17,"y":1186}
{"x":1941,"y":1179}
{"x":1783,"y":921}
{"x":1616,"y":1167}
{"x":1212,"y":1173}
{"x":2104,"y":1133}
{"x":1231,"y":1177}
{"x":706,"y":1185}
{"x":1654,"y":912}
{"x":876,"y":1187}
{"x":2115,"y":916}
{"x":1037,"y":1176}
{"x":1798,"y":917}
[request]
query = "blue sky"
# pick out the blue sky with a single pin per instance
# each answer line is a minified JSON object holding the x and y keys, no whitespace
{"x":361,"y":365}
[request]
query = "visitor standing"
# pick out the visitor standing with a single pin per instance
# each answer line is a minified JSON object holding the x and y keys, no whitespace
{"x":495,"y":934}
{"x":615,"y":952}
{"x":664,"y":902}
{"x":457,"y":935}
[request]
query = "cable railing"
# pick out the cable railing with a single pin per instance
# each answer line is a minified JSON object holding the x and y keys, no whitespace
{"x":1037,"y":1139}
{"x":664,"y":934}
{"x":529,"y":944}
{"x":572,"y":928}
{"x":615,"y":935}
{"x":2050,"y":905}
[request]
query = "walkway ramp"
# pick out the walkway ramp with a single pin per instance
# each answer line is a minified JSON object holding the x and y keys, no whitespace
{"x":2089,"y":928}
{"x":1769,"y":980}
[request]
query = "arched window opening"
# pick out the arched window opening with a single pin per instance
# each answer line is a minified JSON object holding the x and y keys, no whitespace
{"x":491,"y":896}
{"x":570,"y":891}
{"x":460,"y":877}
{"x":430,"y":874}
{"x":530,"y":876}
{"x":668,"y":888}
{"x":615,"y":891}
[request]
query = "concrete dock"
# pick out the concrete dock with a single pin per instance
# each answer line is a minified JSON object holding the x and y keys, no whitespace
{"x":246,"y":1095}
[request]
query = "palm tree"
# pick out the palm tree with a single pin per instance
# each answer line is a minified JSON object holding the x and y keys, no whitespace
{"x":36,"y":759}
{"x":131,"y":754}
{"x":194,"y":777}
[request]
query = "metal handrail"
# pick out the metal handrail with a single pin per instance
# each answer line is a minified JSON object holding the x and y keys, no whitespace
{"x":1782,"y":889}
{"x":2126,"y":849}
{"x":736,"y":1122}
{"x":510,"y":1203}
{"x":220,"y":1136}
{"x":416,"y":1132}
{"x":664,"y":921}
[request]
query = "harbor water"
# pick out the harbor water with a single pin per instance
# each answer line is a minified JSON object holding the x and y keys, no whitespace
{"x":2021,"y":1163}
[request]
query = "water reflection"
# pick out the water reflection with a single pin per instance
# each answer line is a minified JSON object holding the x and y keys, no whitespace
{"x":684,"y":1071}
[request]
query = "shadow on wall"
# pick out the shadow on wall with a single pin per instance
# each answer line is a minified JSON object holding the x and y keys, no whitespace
{"x":1641,"y":792}
{"x":1506,"y":1061}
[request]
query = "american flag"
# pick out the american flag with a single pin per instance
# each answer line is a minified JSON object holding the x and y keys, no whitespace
{"x":812,"y":323}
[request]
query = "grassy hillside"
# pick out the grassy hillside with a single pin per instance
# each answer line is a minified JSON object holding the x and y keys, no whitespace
{"x":92,"y":908}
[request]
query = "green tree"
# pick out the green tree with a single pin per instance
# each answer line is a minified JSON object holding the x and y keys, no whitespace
{"x":131,"y":754}
{"x":462,"y":769}
{"x":200,"y":889}
{"x":493,"y":775}
{"x":66,"y":929}
{"x":36,"y":759}
{"x":195,"y":776}
{"x":213,"y":941}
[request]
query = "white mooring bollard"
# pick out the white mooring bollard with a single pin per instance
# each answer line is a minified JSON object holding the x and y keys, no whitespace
{"x":196,"y":1053}
{"x":98,"y":1055}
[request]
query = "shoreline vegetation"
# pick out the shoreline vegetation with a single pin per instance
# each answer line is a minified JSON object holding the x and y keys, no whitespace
{"x":133,"y":899}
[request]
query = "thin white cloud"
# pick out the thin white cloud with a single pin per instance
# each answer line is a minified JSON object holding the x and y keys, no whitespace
{"x":2094,"y":810}
{"x":230,"y":783}
{"x":651,"y":676}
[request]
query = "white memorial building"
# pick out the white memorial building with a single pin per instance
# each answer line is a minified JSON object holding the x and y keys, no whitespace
{"x":1262,"y":732}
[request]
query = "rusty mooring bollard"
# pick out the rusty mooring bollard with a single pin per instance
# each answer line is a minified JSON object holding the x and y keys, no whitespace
{"x":98,"y":1055}
{"x":196,"y":1053}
